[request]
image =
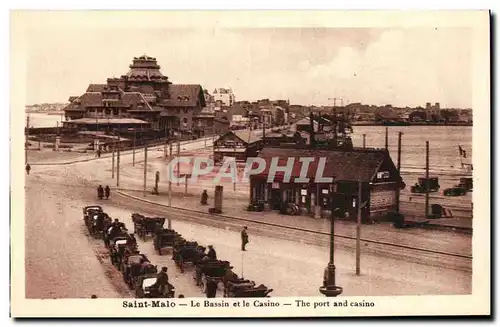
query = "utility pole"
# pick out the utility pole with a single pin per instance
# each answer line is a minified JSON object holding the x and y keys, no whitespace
{"x":170,"y":180}
{"x":166,"y":142}
{"x":96,"y":130}
{"x":234,"y":181}
{"x":113,"y":161}
{"x":170,"y":153}
{"x":387,"y":139}
{"x":133,"y":149}
{"x":426,"y":179}
{"x":358,"y":231}
{"x":145,"y":168}
{"x":118,"y":162}
{"x":364,"y":141}
{"x":26,"y":133}
{"x":178,"y":156}
{"x":398,"y":192}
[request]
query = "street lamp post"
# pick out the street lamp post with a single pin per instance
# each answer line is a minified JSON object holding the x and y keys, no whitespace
{"x":331,"y":289}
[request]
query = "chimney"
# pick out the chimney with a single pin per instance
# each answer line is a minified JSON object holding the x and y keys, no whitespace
{"x":312,"y":137}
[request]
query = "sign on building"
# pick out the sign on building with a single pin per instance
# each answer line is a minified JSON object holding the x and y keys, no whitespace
{"x":382,"y":200}
{"x":383,"y":175}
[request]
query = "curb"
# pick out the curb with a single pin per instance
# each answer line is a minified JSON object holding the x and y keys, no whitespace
{"x":464,"y":230}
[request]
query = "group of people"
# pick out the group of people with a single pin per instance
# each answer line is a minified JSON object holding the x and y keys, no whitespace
{"x":103,"y":192}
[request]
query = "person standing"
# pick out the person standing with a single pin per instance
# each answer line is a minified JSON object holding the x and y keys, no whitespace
{"x":100,"y":192}
{"x":211,"y":290}
{"x":211,"y":254}
{"x":244,"y":238}
{"x":106,"y":191}
{"x":28,"y":168}
{"x":204,"y":198}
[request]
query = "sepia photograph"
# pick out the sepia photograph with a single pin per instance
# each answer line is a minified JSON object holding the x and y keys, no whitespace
{"x":250,"y":164}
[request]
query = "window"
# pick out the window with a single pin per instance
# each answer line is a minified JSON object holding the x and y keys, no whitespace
{"x":185,"y":110}
{"x":184,"y":120}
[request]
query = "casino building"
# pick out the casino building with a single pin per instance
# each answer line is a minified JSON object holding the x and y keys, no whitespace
{"x":142,"y":97}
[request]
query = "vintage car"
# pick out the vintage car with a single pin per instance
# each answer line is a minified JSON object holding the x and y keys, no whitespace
{"x":165,"y":238}
{"x":186,"y":253}
{"x":89,"y":211}
{"x":246,"y":288}
{"x":426,"y":185}
{"x":455,"y":191}
{"x":212,"y":270}
{"x":144,"y":226}
{"x":466,"y":183}
{"x":144,"y":288}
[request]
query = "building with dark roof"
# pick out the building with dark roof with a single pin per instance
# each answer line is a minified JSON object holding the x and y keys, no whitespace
{"x":145,"y":94}
{"x":374,"y":168}
{"x":238,"y":144}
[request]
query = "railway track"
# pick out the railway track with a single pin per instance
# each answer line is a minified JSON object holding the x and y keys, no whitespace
{"x":459,"y":261}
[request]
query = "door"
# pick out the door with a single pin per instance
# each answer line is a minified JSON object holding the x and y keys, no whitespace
{"x":275,"y":199}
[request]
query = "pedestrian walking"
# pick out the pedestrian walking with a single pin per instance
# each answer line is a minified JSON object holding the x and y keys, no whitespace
{"x":28,"y":168}
{"x":244,"y":238}
{"x":98,"y":153}
{"x":106,"y":191}
{"x":100,"y":192}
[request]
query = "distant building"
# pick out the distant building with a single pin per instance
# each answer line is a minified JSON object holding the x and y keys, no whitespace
{"x":433,"y":112}
{"x":373,"y":168}
{"x":239,"y":145}
{"x":224,"y":96}
{"x":143,"y":94}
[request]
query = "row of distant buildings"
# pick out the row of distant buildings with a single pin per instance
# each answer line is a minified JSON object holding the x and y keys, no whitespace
{"x":144,"y":97}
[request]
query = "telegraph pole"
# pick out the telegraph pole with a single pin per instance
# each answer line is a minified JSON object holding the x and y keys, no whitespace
{"x":178,"y":163}
{"x":398,"y":194}
{"x":358,"y":231}
{"x":166,"y":142}
{"x":170,"y":179}
{"x":113,"y":161}
{"x":426,"y":179}
{"x":118,"y":162}
{"x":133,"y":149}
{"x":145,"y":168}
{"x":234,"y":181}
{"x":26,"y":133}
{"x":387,"y":139}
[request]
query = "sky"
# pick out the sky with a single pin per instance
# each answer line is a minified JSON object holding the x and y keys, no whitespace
{"x":309,"y":66}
